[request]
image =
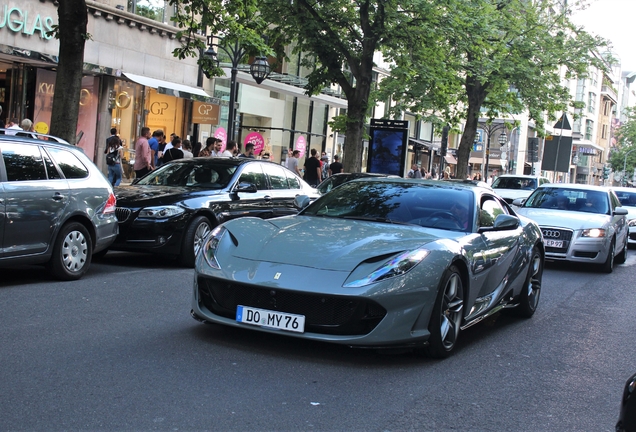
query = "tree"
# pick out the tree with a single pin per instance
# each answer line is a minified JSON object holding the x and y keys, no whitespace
{"x":625,"y":151}
{"x":72,"y":34}
{"x":338,"y":40}
{"x":487,"y":58}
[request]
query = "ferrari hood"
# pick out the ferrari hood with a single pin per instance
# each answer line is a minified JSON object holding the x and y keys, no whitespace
{"x":565,"y":219}
{"x":323,"y":243}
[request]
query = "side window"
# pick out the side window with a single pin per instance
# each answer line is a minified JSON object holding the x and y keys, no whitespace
{"x":71,"y":166}
{"x":277,"y":177}
{"x":490,"y":209}
{"x":51,"y":169}
{"x":292,"y":180}
{"x":23,"y":162}
{"x":252,"y":173}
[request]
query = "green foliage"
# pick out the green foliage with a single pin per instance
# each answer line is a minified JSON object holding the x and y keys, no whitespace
{"x":625,"y":151}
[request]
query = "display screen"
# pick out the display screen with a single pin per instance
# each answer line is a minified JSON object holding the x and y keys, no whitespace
{"x":387,"y":151}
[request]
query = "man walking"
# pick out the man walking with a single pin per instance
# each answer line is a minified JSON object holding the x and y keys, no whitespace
{"x":143,"y":160}
{"x":249,"y":151}
{"x":335,"y":167}
{"x":312,"y":169}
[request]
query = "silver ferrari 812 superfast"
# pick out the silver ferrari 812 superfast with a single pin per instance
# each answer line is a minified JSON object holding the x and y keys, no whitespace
{"x":375,"y":263}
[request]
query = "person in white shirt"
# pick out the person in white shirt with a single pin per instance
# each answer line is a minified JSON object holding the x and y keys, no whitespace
{"x":186,"y":148}
{"x":13,"y":126}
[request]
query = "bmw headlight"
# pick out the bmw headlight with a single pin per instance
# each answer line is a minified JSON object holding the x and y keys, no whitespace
{"x":394,"y":267}
{"x":211,"y":245}
{"x":161,"y":212}
{"x":593,"y":232}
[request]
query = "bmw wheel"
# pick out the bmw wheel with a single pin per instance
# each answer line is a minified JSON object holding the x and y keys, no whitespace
{"x":622,"y":257}
{"x":447,"y":315}
{"x":608,"y":266}
{"x":193,"y":239}
{"x":72,"y":252}
{"x":529,"y":297}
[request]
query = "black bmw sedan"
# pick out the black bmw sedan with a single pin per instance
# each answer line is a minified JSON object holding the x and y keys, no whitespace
{"x":171,"y":210}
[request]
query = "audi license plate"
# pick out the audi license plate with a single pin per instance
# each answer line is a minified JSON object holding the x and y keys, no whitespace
{"x":270,"y":319}
{"x":554,"y":243}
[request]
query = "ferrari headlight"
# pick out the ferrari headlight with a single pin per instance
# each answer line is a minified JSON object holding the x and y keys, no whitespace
{"x":394,"y":267}
{"x":593,"y":232}
{"x":211,"y":245}
{"x":632,"y":222}
{"x":161,"y":212}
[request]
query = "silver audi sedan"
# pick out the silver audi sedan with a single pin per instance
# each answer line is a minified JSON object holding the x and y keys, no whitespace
{"x":580,"y":223}
{"x":627,"y":197}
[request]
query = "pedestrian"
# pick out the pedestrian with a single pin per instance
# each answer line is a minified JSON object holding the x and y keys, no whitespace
{"x":153,"y":142}
{"x":414,"y":172}
{"x":249,"y":151}
{"x":196,"y":149}
{"x":27,"y":126}
{"x":161,"y":148}
{"x":290,"y":155}
{"x":209,"y":147}
{"x":335,"y":167}
{"x":231,"y":149}
{"x":186,"y":148}
{"x":325,"y":166}
{"x":312,"y":169}
{"x":174,"y":151}
{"x":216,"y":151}
{"x":143,"y":161}
{"x":12,"y":127}
{"x":113,"y":153}
{"x":293,"y":163}
{"x":265,"y":156}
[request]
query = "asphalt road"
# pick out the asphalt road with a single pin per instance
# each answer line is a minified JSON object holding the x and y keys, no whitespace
{"x":118,"y":350}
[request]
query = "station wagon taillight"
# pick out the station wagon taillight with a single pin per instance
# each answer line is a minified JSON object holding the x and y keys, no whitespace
{"x":110,"y":204}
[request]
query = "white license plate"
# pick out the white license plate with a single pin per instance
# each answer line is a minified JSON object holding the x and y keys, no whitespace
{"x":270,"y":319}
{"x":554,"y":243}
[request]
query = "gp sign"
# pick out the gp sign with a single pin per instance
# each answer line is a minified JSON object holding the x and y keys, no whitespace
{"x":205,"y":113}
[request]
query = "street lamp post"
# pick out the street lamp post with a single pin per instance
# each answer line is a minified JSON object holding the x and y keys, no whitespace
{"x":625,"y":166}
{"x":503,"y":138}
{"x":259,"y":70}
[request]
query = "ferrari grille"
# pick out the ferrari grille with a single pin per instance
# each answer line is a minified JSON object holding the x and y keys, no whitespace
{"x":325,"y":314}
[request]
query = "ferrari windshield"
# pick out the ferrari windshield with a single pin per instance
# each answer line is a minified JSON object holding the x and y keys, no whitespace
{"x":203,"y":173}
{"x":590,"y":201}
{"x":422,"y":204}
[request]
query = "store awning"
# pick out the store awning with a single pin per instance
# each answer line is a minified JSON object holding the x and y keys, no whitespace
{"x":420,"y":143}
{"x":172,"y":89}
{"x":587,"y":144}
{"x":450,"y":159}
{"x":476,"y":160}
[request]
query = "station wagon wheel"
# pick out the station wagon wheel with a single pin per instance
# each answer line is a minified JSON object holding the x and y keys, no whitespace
{"x":608,"y":266}
{"x":447,"y":315}
{"x":193,"y":239}
{"x":531,"y":291}
{"x":72,"y":252}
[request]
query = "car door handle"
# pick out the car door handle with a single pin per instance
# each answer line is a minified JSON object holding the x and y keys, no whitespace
{"x":58,"y":196}
{"x":267,"y":198}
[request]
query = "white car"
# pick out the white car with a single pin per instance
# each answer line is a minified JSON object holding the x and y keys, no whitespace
{"x":510,"y":186}
{"x":580,"y":223}
{"x":627,"y":197}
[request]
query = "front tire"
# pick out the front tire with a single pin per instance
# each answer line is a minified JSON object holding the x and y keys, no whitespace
{"x":608,"y":266}
{"x":193,"y":239}
{"x":72,"y":252}
{"x":529,"y":297}
{"x":622,"y":257}
{"x":447,"y":315}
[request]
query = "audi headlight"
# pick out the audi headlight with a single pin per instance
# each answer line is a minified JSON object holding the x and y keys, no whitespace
{"x":593,"y":232}
{"x":211,"y":245}
{"x":160,"y":212}
{"x":394,"y":267}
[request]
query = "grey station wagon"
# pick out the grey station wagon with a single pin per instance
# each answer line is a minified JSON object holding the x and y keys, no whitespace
{"x":56,"y":207}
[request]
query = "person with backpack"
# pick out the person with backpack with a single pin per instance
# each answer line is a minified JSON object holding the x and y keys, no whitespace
{"x":113,"y":158}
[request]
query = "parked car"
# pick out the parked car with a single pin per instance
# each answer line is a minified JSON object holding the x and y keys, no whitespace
{"x":337,"y":179}
{"x":56,"y":207}
{"x":171,"y":210}
{"x":511,"y":187}
{"x":627,"y":418}
{"x":381,"y":262}
{"x":580,"y":223}
{"x":627,"y":197}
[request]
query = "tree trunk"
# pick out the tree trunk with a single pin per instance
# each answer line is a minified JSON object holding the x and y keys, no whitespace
{"x":357,"y":108}
{"x":476,"y":96}
{"x":72,"y":33}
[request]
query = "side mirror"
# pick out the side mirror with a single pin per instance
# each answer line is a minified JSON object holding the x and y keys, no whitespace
{"x":620,"y":211}
{"x":301,"y":201}
{"x":246,"y":187}
{"x":518,"y":202}
{"x":505,"y":222}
